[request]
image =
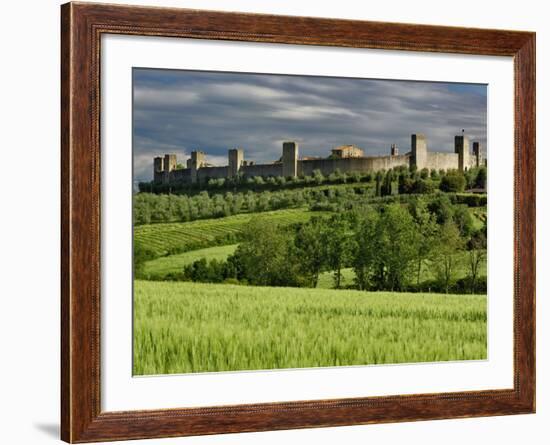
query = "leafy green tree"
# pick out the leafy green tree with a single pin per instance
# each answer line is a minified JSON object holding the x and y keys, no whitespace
{"x":463,"y":220}
{"x":477,"y":253}
{"x":404,"y":184}
{"x":141,"y":256}
{"x":426,"y":226}
{"x":452,"y":182}
{"x":318,"y":177}
{"x":263,"y":257}
{"x":424,"y":173}
{"x":445,"y":258}
{"x":399,"y":245}
{"x":481,"y":178}
{"x":379,"y":178}
{"x":387,"y":185}
{"x":258,"y":180}
{"x":311,"y":248}
{"x":338,"y":245}
{"x":365,"y":254}
{"x":386,"y":249}
{"x":442,"y":208}
{"x":470,"y":177}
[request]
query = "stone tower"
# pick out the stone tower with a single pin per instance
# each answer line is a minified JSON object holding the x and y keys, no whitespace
{"x":235,"y":161}
{"x":479,"y":154}
{"x":290,"y":159}
{"x":419,"y":151}
{"x":394,"y":151}
{"x":158,"y":169}
{"x":462,"y":147}
{"x":198,"y":159}
{"x":169,"y":165}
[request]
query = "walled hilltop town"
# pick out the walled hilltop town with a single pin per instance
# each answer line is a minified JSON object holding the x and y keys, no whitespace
{"x":345,"y":159}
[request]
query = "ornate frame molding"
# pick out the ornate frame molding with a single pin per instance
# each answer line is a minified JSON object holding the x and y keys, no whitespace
{"x":82,"y":25}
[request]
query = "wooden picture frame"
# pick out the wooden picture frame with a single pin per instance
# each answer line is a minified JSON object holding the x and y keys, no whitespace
{"x":82,"y":25}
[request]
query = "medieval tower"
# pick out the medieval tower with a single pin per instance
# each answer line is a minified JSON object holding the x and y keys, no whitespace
{"x":235,"y":158}
{"x":462,"y":148}
{"x":345,"y":159}
{"x":169,"y":165}
{"x":479,"y":153}
{"x":198,"y":159}
{"x":290,"y":159}
{"x":419,"y":151}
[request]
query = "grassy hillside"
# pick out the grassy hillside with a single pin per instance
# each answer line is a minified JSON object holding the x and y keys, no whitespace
{"x":172,"y":264}
{"x":160,"y":238}
{"x":480,"y":216}
{"x":193,"y":327}
{"x":162,"y":266}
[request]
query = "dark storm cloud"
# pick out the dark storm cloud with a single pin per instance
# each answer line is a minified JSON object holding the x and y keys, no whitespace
{"x":181,"y":111}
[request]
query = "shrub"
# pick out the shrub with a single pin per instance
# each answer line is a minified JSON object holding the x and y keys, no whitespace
{"x":452,"y":183}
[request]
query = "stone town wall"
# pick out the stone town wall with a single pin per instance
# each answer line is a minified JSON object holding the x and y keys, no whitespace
{"x":206,"y":173}
{"x":262,"y":170}
{"x":352,"y":165}
{"x":180,"y":175}
{"x":164,"y":169}
{"x":439,"y":161}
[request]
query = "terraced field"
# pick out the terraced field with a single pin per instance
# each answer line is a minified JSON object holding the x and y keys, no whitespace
{"x":161,"y":238}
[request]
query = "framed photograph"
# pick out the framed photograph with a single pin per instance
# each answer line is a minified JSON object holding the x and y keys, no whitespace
{"x":274,"y":222}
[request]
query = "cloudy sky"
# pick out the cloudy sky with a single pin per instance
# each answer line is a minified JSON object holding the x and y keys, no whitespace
{"x":179,"y":111}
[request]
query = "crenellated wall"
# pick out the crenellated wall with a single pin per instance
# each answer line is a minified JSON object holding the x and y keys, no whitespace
{"x":351,"y":165}
{"x":164,"y":169}
{"x":206,"y":173}
{"x":442,"y":161}
{"x":275,"y":169}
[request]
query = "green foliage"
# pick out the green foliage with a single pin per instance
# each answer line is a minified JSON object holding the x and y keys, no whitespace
{"x":379,"y":178}
{"x":365,"y":262}
{"x":470,"y":199}
{"x":150,"y":208}
{"x":452,"y":183}
{"x":195,"y":327}
{"x":423,"y":186}
{"x":426,"y":226}
{"x":172,"y":238}
{"x":387,"y":184}
{"x":141,"y":255}
{"x":398,"y":243}
{"x":386,"y":247}
{"x":339,"y":244}
{"x":387,"y":244}
{"x":256,"y":183}
{"x":463,"y":219}
{"x":310,"y":248}
{"x":318,"y":177}
{"x":444,"y":257}
{"x":481,"y":178}
{"x":262,"y":258}
{"x":424,"y":173}
{"x":158,"y":268}
{"x":477,"y":254}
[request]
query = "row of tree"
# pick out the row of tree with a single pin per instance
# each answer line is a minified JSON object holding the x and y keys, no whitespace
{"x":474,"y":177}
{"x":153,"y":208}
{"x":387,"y":246}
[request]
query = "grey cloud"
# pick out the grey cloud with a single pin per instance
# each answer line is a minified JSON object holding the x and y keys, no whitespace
{"x":180,"y":111}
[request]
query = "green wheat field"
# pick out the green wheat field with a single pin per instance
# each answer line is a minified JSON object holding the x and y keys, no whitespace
{"x":183,"y":327}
